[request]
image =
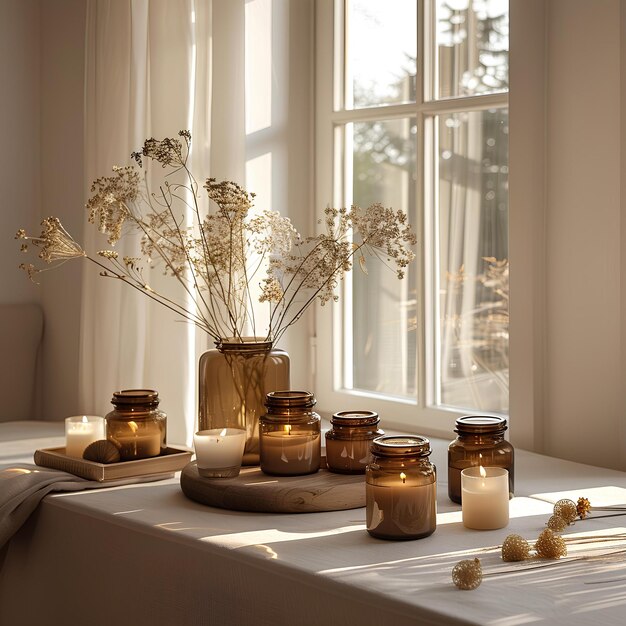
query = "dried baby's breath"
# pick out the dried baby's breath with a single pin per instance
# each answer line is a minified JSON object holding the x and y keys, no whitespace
{"x":220,"y":255}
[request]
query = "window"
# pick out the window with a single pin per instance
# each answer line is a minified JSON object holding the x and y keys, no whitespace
{"x":412,"y":101}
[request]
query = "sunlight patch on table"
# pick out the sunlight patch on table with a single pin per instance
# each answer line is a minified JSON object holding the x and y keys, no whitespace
{"x":516,"y":620}
{"x":273,"y":535}
{"x":607,"y":495}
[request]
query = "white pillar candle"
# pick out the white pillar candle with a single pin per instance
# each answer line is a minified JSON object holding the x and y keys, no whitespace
{"x":219,"y":451}
{"x":485,"y":497}
{"x":80,"y":431}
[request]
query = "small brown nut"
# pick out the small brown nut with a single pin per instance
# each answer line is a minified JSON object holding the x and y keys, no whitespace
{"x":102,"y":451}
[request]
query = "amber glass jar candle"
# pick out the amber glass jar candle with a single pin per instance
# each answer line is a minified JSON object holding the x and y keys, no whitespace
{"x":349,"y":440}
{"x":290,"y":434}
{"x":480,"y":441}
{"x":401,"y":489}
{"x":136,"y":425}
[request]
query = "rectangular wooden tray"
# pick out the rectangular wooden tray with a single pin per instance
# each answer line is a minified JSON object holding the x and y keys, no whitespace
{"x":172,"y":460}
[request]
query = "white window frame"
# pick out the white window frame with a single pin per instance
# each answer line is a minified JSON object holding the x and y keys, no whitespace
{"x":396,"y":412}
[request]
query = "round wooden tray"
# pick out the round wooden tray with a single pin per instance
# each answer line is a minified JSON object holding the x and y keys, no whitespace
{"x":253,"y":490}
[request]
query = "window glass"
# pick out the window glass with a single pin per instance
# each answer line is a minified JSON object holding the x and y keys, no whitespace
{"x":473,"y":277}
{"x":381,"y":50}
{"x":472,"y":47}
{"x":383,"y":312}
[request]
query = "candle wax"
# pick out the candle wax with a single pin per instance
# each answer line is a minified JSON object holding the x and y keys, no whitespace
{"x":289,"y":453}
{"x":401,"y":510}
{"x":80,"y":431}
{"x":219,"y":448}
{"x":348,"y":456}
{"x":485,"y":498}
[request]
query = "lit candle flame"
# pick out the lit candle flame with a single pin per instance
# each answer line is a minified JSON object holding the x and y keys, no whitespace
{"x":288,"y":429}
{"x":133,"y":426}
{"x":85,"y":420}
{"x":403,"y":477}
{"x":483,"y":473}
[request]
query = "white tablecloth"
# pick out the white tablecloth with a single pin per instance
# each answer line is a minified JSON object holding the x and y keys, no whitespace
{"x":144,"y":554}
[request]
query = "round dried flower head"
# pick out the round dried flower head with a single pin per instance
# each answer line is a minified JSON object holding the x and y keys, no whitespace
{"x":467,"y":574}
{"x":550,"y":545}
{"x":515,"y":548}
{"x":566,"y":509}
{"x":583,"y":506}
{"x":557,"y":523}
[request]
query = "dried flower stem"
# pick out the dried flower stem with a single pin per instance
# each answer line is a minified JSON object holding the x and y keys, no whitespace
{"x":217,"y":258}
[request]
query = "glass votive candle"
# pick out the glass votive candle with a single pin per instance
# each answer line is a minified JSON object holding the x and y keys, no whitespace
{"x":137,"y":426}
{"x":290,"y":434}
{"x":219,"y":452}
{"x":485,"y":495}
{"x":349,"y":440}
{"x":80,"y":431}
{"x":480,"y":441}
{"x":401,"y":489}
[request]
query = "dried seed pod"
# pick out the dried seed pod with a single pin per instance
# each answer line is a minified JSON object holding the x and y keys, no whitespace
{"x":515,"y":548}
{"x":549,"y":545}
{"x":102,"y":451}
{"x":467,"y":574}
{"x":557,"y":523}
{"x":583,"y":506}
{"x":566,"y":509}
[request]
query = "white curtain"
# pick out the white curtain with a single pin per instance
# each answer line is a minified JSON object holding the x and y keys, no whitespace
{"x":154,"y":67}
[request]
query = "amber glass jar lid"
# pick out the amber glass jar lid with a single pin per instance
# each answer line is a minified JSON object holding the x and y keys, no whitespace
{"x":355,"y":418}
{"x":480,"y":424}
{"x":135,"y":397}
{"x":290,"y":399}
{"x":394,"y":445}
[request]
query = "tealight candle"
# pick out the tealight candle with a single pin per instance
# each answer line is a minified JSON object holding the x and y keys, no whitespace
{"x":80,"y":431}
{"x":219,"y":451}
{"x":485,"y":497}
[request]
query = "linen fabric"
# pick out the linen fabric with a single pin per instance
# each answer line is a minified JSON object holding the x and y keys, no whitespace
{"x":23,"y":486}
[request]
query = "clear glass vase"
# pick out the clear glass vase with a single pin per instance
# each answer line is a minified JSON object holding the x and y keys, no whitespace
{"x":233,"y":380}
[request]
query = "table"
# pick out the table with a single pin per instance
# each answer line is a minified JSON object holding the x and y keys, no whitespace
{"x":144,"y":554}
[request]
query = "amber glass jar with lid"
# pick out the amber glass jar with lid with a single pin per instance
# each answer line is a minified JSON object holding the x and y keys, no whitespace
{"x":136,"y":425}
{"x":480,"y":441}
{"x":401,"y":488}
{"x":349,"y":440}
{"x":290,"y":434}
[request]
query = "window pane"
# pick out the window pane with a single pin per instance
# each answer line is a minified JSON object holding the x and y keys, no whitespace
{"x":472,"y":47}
{"x":381,"y":52}
{"x":383,"y":307}
{"x":473,"y":260}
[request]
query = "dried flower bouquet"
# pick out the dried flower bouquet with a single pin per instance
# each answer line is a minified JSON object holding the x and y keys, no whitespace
{"x":225,"y":251}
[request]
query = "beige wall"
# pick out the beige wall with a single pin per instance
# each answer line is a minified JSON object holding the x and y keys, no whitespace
{"x":583,"y":231}
{"x":567,"y":229}
{"x":20,"y":107}
{"x":62,"y":71}
{"x":41,"y":125}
